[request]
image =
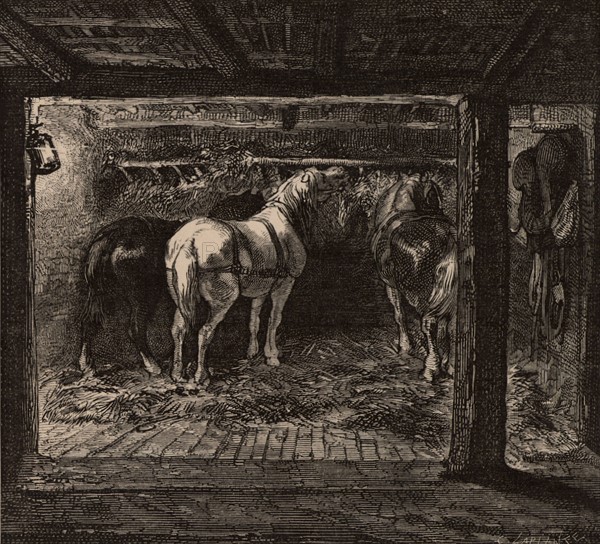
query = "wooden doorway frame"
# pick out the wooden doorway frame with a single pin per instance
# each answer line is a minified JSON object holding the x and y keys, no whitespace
{"x":479,"y":414}
{"x":478,"y":440}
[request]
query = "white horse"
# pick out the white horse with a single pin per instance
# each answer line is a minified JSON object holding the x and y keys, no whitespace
{"x":218,"y":261}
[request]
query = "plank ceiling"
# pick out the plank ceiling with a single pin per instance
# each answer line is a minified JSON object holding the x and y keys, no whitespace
{"x":444,"y":38}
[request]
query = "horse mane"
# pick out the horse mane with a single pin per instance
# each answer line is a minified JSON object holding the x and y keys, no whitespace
{"x":297,"y":199}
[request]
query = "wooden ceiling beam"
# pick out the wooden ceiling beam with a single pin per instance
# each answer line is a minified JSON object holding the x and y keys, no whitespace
{"x":274,"y":101}
{"x":274,"y":125}
{"x":77,"y":41}
{"x":196,"y":20}
{"x":39,"y":52}
{"x":168,"y":83}
{"x":330,"y":37}
{"x":133,"y":22}
{"x":515,"y":48}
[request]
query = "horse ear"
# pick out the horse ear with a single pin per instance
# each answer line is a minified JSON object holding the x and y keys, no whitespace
{"x":438,"y":192}
{"x":434,"y":196}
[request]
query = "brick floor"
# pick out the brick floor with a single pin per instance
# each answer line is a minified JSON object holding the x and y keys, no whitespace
{"x":189,"y":437}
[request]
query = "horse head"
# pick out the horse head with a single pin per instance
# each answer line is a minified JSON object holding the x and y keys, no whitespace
{"x":327,"y":182}
{"x":432,"y":195}
{"x":421,"y":193}
{"x":299,"y":195}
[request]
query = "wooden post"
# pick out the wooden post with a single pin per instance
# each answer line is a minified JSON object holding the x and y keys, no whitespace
{"x":18,"y":368}
{"x":479,"y":415}
{"x":590,"y":413}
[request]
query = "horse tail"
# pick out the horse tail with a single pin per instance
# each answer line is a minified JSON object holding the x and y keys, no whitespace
{"x":181,"y":286}
{"x":96,"y":273}
{"x":443,"y":294}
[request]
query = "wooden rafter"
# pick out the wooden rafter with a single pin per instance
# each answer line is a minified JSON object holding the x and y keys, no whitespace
{"x":289,"y":17}
{"x":203,"y":37}
{"x":25,"y":39}
{"x":263,"y":25}
{"x":130,"y":22}
{"x":330,"y":37}
{"x":515,"y":48}
{"x":143,"y":81}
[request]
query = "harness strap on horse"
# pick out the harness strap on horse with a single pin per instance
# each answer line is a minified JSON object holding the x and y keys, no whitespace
{"x":280,"y":270}
{"x":235,"y":249}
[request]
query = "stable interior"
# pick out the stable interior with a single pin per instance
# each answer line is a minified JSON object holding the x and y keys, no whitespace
{"x":342,"y":391}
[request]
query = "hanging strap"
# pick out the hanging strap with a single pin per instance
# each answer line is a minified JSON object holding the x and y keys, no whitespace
{"x":281,"y":270}
{"x":236,"y":266}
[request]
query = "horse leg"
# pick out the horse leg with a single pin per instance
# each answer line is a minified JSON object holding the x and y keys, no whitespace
{"x":257,"y":304}
{"x":178,"y":331}
{"x":85,"y":359}
{"x":432,"y":361}
{"x":279,"y":297}
{"x":444,"y":344}
{"x":142,"y":308}
{"x":396,"y":300}
{"x":92,"y":318}
{"x":218,"y":309}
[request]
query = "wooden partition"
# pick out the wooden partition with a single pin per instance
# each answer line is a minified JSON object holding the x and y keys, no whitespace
{"x":590,"y":424}
{"x":19,"y":371}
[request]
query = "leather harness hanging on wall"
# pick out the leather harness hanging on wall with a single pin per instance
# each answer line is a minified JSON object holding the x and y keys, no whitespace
{"x":549,"y":214}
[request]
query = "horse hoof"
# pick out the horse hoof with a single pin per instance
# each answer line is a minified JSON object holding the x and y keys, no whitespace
{"x":201,"y":381}
{"x":87,"y":374}
{"x":190,"y":386}
{"x":427,"y":375}
{"x":154,"y":371}
{"x":252,"y":350}
{"x":447,"y":372}
{"x":273,"y":361}
{"x":403,"y":348}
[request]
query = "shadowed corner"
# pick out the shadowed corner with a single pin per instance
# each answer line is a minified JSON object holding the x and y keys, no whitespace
{"x":574,"y":492}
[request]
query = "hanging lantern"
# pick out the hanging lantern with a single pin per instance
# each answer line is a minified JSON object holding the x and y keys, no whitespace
{"x":41,"y":150}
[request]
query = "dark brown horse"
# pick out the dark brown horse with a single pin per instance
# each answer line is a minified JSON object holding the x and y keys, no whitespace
{"x":415,"y":253}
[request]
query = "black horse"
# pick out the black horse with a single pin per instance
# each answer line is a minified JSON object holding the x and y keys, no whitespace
{"x":125,"y":264}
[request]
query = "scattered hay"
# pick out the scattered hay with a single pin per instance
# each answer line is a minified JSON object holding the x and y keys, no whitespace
{"x":121,"y":396}
{"x":538,"y":423}
{"x":225,"y":169}
{"x":353,"y":381}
